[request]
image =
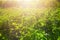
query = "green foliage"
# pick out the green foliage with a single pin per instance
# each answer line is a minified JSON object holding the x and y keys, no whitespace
{"x":18,"y":24}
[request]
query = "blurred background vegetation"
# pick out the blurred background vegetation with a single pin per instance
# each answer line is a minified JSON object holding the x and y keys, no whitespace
{"x":30,"y":24}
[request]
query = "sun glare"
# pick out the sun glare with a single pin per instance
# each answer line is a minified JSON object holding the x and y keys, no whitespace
{"x":27,"y":3}
{"x":28,"y":0}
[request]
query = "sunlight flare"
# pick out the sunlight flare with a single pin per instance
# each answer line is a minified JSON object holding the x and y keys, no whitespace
{"x":27,"y":3}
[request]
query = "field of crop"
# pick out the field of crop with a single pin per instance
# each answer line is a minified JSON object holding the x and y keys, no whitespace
{"x":30,"y":23}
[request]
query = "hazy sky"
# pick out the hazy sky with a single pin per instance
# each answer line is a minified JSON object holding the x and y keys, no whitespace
{"x":26,"y":3}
